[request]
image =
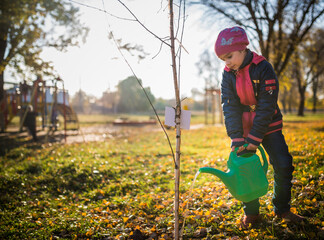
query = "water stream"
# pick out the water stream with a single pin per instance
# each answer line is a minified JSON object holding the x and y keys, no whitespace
{"x":189,"y":197}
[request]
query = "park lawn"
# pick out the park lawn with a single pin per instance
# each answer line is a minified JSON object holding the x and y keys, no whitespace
{"x":124,"y":188}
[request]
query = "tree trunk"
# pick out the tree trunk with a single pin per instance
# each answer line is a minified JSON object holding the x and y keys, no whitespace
{"x":206,"y":105}
{"x":315,"y":86}
{"x":284,"y":100}
{"x":178,"y":130}
{"x":3,"y":46}
{"x":2,"y":116}
{"x":301,"y":101}
{"x":290,"y":95}
{"x":300,"y":83}
{"x":1,"y":86}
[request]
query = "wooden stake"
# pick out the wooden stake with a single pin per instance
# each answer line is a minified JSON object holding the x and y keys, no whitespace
{"x":178,"y":131}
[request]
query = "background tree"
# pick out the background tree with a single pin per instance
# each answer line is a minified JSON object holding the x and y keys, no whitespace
{"x":132,"y":97}
{"x":27,"y":26}
{"x":308,"y":66}
{"x":278,"y":26}
{"x":208,"y":69}
{"x":314,"y":54}
{"x":80,"y":101}
{"x":318,"y":94}
{"x":109,"y":101}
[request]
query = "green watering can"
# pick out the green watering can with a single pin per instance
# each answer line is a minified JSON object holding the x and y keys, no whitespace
{"x":246,"y":178}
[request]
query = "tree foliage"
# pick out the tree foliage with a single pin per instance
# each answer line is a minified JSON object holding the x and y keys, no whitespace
{"x":132,"y":97}
{"x":27,"y":26}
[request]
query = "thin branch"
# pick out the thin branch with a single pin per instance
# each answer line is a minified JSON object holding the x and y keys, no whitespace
{"x":181,"y":37}
{"x":143,"y":24}
{"x":101,"y":10}
{"x":179,"y":14}
{"x":254,"y":19}
{"x":158,"y":51}
{"x":180,"y":44}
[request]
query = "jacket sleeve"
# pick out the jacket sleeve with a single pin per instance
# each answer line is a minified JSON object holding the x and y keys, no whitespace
{"x":232,"y":111}
{"x":267,"y":102}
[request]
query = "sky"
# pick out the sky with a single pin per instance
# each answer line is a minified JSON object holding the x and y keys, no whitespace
{"x":97,"y":66}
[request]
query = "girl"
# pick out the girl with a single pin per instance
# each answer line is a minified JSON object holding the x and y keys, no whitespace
{"x":249,"y":98}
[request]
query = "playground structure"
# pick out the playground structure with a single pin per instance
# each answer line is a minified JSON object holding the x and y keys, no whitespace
{"x":45,"y":98}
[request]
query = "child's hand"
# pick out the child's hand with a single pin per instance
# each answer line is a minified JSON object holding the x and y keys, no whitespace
{"x":240,"y":149}
{"x":250,"y":147}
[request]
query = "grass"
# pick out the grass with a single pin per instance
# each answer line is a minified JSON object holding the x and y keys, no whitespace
{"x":196,"y":118}
{"x":123,"y":188}
{"x":309,"y":117}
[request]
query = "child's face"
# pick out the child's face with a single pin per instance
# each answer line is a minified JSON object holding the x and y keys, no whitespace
{"x":233,"y":60}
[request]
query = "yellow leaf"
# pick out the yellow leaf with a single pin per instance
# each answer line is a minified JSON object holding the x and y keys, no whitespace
{"x":89,"y":233}
{"x":293,"y":210}
{"x":307,"y":201}
{"x":125,"y":219}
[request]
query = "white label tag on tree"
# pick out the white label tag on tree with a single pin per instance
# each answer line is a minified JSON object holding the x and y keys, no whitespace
{"x":170,"y":118}
{"x":185,"y":119}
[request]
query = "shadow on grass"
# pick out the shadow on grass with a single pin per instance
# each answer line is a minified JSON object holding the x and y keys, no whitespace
{"x":35,"y":180}
{"x":15,"y":139}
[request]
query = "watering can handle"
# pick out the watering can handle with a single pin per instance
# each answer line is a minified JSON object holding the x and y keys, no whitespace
{"x":265,"y":161}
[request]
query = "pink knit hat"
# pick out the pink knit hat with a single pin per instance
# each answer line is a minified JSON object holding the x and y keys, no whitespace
{"x":230,"y":40}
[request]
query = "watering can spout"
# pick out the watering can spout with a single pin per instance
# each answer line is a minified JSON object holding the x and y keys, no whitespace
{"x":225,"y":177}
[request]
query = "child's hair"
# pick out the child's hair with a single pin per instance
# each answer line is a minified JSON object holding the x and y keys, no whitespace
{"x":230,"y":40}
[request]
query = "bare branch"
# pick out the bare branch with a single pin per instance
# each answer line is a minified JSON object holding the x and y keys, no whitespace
{"x":256,"y":24}
{"x":101,"y":10}
{"x":180,"y":42}
{"x":143,"y":24}
{"x":158,"y":51}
